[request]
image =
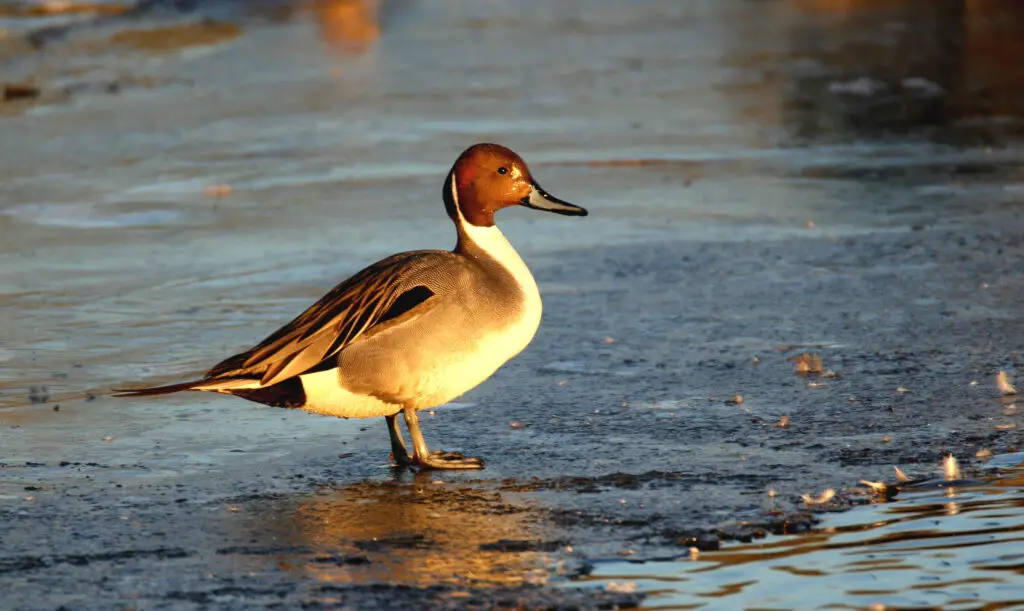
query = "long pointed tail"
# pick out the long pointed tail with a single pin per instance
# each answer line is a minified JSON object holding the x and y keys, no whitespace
{"x":156,"y":390}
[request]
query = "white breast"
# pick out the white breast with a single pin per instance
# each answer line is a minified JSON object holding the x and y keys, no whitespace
{"x":494,"y":243}
{"x":460,"y":371}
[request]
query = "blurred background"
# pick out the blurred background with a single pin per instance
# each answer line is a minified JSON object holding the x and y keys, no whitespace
{"x":803,"y":67}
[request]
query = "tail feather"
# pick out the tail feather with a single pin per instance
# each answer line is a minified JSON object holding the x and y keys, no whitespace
{"x":157,"y":390}
{"x":207,"y":384}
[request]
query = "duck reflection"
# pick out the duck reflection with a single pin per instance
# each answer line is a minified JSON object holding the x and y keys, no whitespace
{"x":417,"y":532}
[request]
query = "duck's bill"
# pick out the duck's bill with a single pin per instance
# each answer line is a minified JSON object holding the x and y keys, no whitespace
{"x":539,"y":199}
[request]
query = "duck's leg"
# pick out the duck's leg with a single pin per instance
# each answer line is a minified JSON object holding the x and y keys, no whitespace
{"x":423,"y":457}
{"x":398,"y":451}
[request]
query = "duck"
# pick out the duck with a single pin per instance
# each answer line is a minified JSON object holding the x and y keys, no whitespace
{"x":412,"y":331}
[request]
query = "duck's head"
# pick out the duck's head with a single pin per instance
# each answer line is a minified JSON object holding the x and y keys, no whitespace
{"x":489,"y":177}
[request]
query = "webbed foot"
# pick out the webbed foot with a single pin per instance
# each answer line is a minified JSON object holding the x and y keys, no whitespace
{"x":425,"y":459}
{"x":440,"y":459}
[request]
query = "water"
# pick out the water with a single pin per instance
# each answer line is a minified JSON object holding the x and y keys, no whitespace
{"x":948,"y":546}
{"x":181,"y":188}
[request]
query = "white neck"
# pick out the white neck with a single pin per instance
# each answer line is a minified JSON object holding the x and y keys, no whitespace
{"x":493,"y":242}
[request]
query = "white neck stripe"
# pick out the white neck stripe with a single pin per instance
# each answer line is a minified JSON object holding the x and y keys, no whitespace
{"x":496,"y":245}
{"x":455,"y":200}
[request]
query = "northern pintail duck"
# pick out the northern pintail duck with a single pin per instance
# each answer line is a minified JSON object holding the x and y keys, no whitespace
{"x":412,"y":331}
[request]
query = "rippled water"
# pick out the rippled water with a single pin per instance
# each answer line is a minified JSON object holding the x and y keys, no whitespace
{"x":950,"y":545}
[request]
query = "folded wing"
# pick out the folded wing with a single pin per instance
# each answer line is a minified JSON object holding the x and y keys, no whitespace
{"x":392,"y":287}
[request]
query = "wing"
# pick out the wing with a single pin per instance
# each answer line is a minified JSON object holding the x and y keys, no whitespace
{"x":391,"y":287}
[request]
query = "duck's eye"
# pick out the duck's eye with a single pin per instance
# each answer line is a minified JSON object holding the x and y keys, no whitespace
{"x":502,"y":170}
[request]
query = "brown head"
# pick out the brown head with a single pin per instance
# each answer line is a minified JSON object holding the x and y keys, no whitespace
{"x":489,"y":177}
